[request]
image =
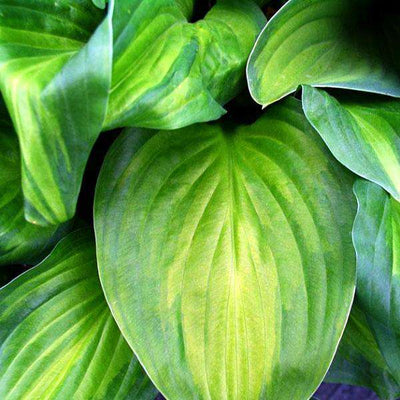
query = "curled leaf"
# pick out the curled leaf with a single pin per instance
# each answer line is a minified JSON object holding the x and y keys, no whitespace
{"x":329,"y":43}
{"x":55,"y":78}
{"x":169,"y":73}
{"x":66,"y":74}
{"x":20,"y":241}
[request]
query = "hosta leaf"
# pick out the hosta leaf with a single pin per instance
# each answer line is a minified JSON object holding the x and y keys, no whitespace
{"x":359,"y":361}
{"x":20,"y":241}
{"x":331,"y":43}
{"x":183,"y":73}
{"x":363,"y":133}
{"x":55,"y":79}
{"x":55,"y":73}
{"x":226,"y":255}
{"x":377,"y":240}
{"x":58,"y":339}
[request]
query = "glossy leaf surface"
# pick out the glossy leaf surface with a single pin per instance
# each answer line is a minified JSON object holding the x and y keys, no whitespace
{"x":20,"y":241}
{"x":145,"y":64}
{"x":58,"y":339}
{"x":55,"y":78}
{"x":363,"y":133}
{"x":359,"y":361}
{"x":377,"y":240}
{"x":330,"y":43}
{"x":226,"y":256}
{"x":168,"y":73}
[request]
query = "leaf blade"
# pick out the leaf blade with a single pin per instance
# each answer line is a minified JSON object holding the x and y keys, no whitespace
{"x":361,"y":132}
{"x":65,"y":343}
{"x":359,"y":360}
{"x":328,"y":43}
{"x":20,"y":241}
{"x":47,"y":83}
{"x":184,"y":72}
{"x":375,"y":233}
{"x":190,"y":205}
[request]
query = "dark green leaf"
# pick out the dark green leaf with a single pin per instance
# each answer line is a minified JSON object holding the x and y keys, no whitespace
{"x":377,"y":240}
{"x":359,"y":361}
{"x":331,"y":43}
{"x":363,"y":133}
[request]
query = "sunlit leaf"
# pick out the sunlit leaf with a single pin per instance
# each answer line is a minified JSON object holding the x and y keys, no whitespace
{"x":332,"y":43}
{"x":20,"y":241}
{"x":55,"y":79}
{"x":168,"y":73}
{"x":226,"y":256}
{"x":146,"y":65}
{"x":363,"y":133}
{"x":58,"y":339}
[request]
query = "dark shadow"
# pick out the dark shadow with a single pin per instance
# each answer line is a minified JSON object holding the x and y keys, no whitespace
{"x":372,"y":27}
{"x":200,"y":9}
{"x":84,"y":209}
{"x":242,"y":110}
{"x":9,"y":272}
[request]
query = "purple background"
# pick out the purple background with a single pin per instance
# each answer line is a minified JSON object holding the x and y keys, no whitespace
{"x":329,"y":391}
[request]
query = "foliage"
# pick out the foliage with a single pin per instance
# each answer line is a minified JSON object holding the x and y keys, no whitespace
{"x":221,"y":251}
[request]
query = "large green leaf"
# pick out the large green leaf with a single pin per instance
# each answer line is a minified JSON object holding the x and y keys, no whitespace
{"x":377,"y":243}
{"x":55,"y":79}
{"x":332,"y":43}
{"x":226,"y":256}
{"x":363,"y":133}
{"x":58,"y":339}
{"x":359,"y":361}
{"x":183,"y":73}
{"x":145,"y":65}
{"x":20,"y":241}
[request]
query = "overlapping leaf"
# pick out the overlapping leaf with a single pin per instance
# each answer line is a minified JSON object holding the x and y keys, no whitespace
{"x":55,"y":77}
{"x":168,"y":73}
{"x":363,"y":133}
{"x":377,"y":240}
{"x":359,"y":360}
{"x":331,"y":43}
{"x":226,"y":255}
{"x":20,"y":241}
{"x":58,"y":339}
{"x":56,"y":69}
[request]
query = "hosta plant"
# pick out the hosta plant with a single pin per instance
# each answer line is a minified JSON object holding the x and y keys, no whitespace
{"x":162,"y":234}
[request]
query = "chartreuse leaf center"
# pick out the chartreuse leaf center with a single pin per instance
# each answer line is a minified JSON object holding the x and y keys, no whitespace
{"x":20,"y":241}
{"x":70,"y":70}
{"x":226,"y":257}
